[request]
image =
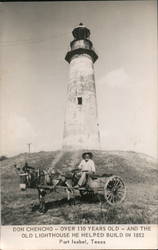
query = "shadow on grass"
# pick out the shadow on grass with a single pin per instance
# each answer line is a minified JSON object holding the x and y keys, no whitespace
{"x":82,"y":213}
{"x":86,"y":199}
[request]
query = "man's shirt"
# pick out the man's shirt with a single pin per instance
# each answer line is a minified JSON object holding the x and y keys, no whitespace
{"x":87,"y":166}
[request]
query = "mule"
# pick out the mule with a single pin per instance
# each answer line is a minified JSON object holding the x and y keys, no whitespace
{"x":45,"y":181}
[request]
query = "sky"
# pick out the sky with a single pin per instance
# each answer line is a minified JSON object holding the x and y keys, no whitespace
{"x":34,"y":40}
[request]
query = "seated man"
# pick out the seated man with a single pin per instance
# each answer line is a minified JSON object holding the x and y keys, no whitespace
{"x":87,"y":168}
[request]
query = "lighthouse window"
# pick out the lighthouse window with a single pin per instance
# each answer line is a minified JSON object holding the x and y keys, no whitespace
{"x":79,"y":99}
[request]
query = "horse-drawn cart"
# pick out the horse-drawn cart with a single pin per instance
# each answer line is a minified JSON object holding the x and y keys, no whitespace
{"x":111,"y":187}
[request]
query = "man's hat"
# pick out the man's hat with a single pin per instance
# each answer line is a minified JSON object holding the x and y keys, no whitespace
{"x":87,"y":153}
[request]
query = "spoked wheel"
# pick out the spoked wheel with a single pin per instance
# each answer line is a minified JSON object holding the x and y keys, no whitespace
{"x":114,"y":190}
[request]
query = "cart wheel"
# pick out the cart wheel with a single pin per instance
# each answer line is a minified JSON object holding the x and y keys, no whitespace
{"x":114,"y":190}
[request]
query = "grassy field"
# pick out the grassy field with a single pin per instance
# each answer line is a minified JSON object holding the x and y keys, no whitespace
{"x":138,"y":171}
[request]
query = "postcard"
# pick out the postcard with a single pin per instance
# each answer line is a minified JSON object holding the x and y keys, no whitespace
{"x":79,"y":125}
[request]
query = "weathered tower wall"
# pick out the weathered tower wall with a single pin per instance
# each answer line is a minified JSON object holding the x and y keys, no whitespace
{"x":81,"y":127}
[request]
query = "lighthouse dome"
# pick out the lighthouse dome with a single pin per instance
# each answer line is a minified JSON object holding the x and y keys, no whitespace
{"x":81,"y":32}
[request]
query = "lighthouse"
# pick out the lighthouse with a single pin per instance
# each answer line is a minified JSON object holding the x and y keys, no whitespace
{"x":81,"y":128}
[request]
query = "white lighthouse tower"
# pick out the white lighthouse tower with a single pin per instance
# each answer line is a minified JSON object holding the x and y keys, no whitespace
{"x":81,"y":129}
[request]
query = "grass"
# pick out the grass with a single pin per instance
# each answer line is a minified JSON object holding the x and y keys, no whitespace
{"x":113,"y":215}
{"x":138,"y":171}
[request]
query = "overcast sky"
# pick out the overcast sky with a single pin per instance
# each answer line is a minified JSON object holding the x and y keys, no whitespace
{"x":34,"y":40}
